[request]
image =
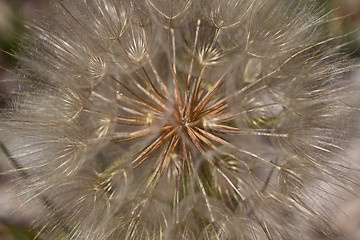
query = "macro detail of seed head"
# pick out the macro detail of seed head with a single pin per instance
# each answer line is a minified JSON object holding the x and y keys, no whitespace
{"x":191,"y":119}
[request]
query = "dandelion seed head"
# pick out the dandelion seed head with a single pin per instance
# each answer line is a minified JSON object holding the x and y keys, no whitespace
{"x":182,"y":119}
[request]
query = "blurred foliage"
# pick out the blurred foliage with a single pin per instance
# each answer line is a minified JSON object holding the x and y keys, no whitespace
{"x":16,"y":231}
{"x":8,"y":41}
{"x":13,"y":14}
{"x":11,"y":29}
{"x":347,"y":13}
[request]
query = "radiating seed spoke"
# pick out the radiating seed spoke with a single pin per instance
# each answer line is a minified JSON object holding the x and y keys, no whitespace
{"x":125,"y":136}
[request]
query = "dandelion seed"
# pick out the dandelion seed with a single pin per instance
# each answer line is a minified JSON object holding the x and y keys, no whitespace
{"x":182,"y":119}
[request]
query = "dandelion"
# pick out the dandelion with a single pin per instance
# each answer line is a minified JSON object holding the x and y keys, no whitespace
{"x":191,"y":119}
